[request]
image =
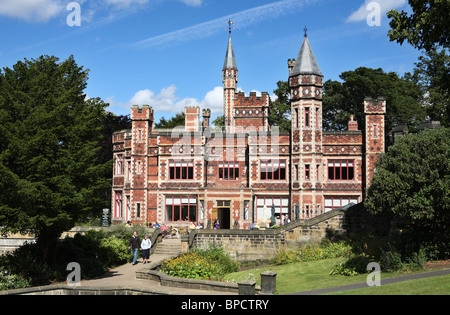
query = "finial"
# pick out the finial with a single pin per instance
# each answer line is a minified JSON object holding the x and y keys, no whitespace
{"x":306,"y":31}
{"x":230,"y":25}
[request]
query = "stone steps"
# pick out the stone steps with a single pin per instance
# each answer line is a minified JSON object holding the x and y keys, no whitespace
{"x":168,"y":247}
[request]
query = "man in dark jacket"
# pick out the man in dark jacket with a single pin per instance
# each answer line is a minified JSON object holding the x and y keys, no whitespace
{"x":134,"y":244}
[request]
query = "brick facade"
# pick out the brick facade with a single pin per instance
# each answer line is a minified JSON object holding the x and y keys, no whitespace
{"x":238,"y":174}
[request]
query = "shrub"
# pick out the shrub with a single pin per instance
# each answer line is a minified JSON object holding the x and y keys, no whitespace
{"x":356,"y":264}
{"x":210,"y":264}
{"x":391,"y":260}
{"x":313,"y":251}
{"x":11,"y":281}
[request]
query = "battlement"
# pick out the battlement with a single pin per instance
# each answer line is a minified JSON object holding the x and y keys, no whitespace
{"x":377,"y":106}
{"x":142,"y":113}
{"x":252,"y":99}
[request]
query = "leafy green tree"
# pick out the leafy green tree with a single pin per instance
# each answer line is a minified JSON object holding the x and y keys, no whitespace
{"x":50,"y":174}
{"x":427,"y":26}
{"x":219,"y":122}
{"x":280,"y":110}
{"x":178,"y":120}
{"x":412,"y":184}
{"x":342,"y":99}
{"x":432,"y":74}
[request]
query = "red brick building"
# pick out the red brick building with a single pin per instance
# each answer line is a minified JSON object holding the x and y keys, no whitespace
{"x":241,"y":173}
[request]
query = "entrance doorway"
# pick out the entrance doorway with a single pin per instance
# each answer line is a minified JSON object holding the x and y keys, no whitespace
{"x":224,"y":218}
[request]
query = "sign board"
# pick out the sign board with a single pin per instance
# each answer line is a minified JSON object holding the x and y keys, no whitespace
{"x":105,"y":218}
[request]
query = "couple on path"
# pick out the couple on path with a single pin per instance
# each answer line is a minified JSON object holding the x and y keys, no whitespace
{"x":135,"y":244}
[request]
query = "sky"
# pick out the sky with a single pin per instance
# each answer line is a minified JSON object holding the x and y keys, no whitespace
{"x":169,"y":53}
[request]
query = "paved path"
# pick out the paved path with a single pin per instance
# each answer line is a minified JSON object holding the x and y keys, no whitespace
{"x":383,"y":282}
{"x":125,"y":277}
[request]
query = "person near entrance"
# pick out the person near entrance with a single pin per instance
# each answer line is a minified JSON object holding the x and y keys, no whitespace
{"x":134,"y":244}
{"x":145,"y":246}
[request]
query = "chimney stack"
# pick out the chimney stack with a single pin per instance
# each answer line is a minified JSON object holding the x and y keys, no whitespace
{"x":352,"y":124}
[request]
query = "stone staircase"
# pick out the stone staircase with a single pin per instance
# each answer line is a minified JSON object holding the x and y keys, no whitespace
{"x":168,"y":247}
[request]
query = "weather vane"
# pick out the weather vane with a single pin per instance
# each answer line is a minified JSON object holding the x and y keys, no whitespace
{"x":306,"y":31}
{"x":230,"y":25}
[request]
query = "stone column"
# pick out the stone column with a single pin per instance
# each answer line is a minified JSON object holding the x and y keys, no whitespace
{"x":268,"y":282}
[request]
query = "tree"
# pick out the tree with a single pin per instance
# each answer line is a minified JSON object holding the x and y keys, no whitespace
{"x":427,"y":26}
{"x":280,"y":110}
{"x":50,"y":174}
{"x":412,"y":184}
{"x":178,"y":120}
{"x":432,"y":74}
{"x":347,"y":98}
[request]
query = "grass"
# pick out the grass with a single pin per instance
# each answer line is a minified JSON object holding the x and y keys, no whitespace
{"x":312,"y":275}
{"x":428,"y":286}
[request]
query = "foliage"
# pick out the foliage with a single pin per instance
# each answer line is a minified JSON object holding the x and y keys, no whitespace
{"x":50,"y":173}
{"x":412,"y":184}
{"x":427,"y":26}
{"x":95,"y":252}
{"x":354,"y":265}
{"x":432,"y":74}
{"x":342,"y":99}
{"x":280,"y":109}
{"x":178,"y":120}
{"x":11,"y":282}
{"x":209,"y":264}
{"x":313,"y":251}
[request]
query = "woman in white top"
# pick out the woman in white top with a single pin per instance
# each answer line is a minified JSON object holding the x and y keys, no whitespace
{"x":146,"y":244}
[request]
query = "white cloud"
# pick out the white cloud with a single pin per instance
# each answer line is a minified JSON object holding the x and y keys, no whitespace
{"x":125,"y":3}
{"x":385,"y":6}
{"x":32,"y":10}
{"x":167,"y":101}
{"x":242,"y":19}
{"x":192,"y":3}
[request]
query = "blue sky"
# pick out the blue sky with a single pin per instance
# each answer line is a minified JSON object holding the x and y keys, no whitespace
{"x":170,"y":53}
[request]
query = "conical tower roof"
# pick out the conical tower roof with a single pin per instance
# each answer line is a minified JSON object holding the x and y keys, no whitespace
{"x":230,"y":60}
{"x":306,"y":61}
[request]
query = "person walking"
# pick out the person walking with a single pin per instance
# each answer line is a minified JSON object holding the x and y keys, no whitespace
{"x":145,"y":246}
{"x":134,"y":244}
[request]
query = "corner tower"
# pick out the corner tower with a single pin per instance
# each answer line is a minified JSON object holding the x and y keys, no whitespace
{"x":229,"y":79}
{"x":306,"y":83}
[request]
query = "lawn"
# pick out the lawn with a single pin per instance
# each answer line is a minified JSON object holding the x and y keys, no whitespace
{"x":427,"y":286}
{"x":302,"y":276}
{"x":312,"y":275}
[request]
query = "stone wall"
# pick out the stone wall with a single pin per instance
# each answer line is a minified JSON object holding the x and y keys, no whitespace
{"x":247,"y":245}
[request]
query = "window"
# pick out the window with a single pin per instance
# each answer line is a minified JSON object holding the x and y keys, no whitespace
{"x":273,"y":170}
{"x":341,"y":170}
{"x":307,"y":172}
{"x":181,"y":170}
{"x":138,"y":210}
{"x":332,"y":203}
{"x":296,"y":172}
{"x":307,"y":116}
{"x":317,"y":118}
{"x":375,"y":131}
{"x":128,"y":208}
{"x":296,"y":118}
{"x":181,"y":208}
{"x":119,"y":165}
{"x":129,"y":170}
{"x":228,"y":170}
{"x":264,"y":207}
{"x":118,"y":205}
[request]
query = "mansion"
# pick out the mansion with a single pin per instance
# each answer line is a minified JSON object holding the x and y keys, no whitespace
{"x":246,"y":172}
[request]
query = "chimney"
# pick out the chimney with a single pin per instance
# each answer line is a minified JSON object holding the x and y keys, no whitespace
{"x":291,"y":64}
{"x":206,"y":117}
{"x":352,"y":124}
{"x":192,"y":118}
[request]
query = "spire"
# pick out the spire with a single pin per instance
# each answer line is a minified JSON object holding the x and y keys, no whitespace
{"x":230,"y":60}
{"x":306,"y":61}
